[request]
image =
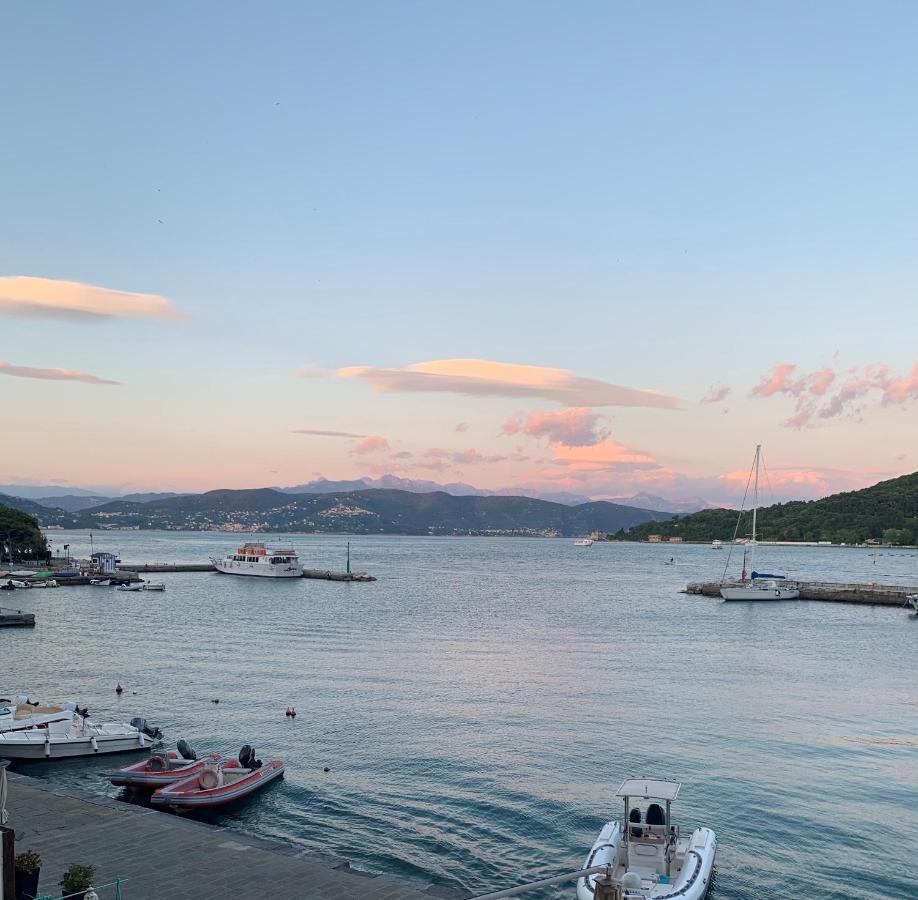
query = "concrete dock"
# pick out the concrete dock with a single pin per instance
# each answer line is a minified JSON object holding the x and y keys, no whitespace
{"x":871,"y":594}
{"x":16,"y":618}
{"x":163,"y":855}
{"x":322,"y":574}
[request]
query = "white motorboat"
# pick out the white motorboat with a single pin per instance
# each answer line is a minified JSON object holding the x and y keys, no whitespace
{"x":48,"y":583}
{"x":127,"y":586}
{"x":645,"y":854}
{"x":70,"y":733}
{"x":717,"y":545}
{"x":758,"y":585}
{"x":20,"y":712}
{"x":584,"y":542}
{"x":256,"y":559}
{"x":912,"y":601}
{"x":100,"y":582}
{"x":154,"y":587}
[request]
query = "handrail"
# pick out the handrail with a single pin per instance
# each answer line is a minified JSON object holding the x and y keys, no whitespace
{"x":543,"y":882}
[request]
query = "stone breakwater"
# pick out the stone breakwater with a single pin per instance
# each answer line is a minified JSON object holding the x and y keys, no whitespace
{"x":872,"y":594}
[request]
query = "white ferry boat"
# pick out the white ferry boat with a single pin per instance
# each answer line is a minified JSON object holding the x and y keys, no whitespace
{"x":256,"y":559}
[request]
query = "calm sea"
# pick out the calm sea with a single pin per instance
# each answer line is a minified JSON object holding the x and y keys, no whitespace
{"x":479,"y":704}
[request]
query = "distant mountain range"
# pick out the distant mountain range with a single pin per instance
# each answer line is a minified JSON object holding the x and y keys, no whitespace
{"x":77,"y":499}
{"x":368,"y":511}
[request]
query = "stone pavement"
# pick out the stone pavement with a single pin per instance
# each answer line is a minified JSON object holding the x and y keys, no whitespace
{"x":165,"y":856}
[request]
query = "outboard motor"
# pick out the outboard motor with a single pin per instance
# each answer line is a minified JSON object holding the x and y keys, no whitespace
{"x":141,"y":725}
{"x":247,"y":758}
{"x":186,"y":751}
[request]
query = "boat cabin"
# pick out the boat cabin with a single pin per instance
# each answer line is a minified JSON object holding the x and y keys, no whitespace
{"x":649,"y":834}
{"x":258,"y":553}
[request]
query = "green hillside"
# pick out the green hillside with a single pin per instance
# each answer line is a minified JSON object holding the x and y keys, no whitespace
{"x":886,"y":512}
{"x":22,"y":533}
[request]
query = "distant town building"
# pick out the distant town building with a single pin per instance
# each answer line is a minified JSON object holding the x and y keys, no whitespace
{"x":655,"y":538}
{"x":675,"y":540}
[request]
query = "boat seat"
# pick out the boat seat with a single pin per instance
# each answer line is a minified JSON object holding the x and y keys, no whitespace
{"x":655,"y":815}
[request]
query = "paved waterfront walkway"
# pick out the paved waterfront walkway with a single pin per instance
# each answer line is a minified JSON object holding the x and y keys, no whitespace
{"x":165,"y":856}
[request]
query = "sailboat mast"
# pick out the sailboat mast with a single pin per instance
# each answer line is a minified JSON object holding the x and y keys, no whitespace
{"x":755,"y":503}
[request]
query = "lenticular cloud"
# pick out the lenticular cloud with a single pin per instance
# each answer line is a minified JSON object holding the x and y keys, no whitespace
{"x":25,"y":296}
{"x":483,"y":378}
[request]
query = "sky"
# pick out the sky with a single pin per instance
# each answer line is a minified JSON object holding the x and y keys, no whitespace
{"x":602,"y":248}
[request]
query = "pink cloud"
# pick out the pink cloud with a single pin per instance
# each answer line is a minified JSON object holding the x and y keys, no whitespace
{"x":823,"y":395}
{"x":484,"y":378}
{"x":27,"y":296}
{"x":574,"y":427}
{"x":716,"y":394}
{"x":372,"y":443}
{"x":462,"y":426}
{"x":51,"y":374}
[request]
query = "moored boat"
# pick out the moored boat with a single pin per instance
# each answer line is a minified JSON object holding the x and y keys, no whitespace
{"x":100,"y":582}
{"x":583,"y":542}
{"x":219,"y":784}
{"x":161,"y":768}
{"x":912,"y":601}
{"x":154,"y":587}
{"x":256,"y":559}
{"x":646,"y":855}
{"x":760,"y":585}
{"x":127,"y":586}
{"x":73,"y":734}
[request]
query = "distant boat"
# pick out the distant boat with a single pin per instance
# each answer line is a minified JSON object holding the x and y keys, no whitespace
{"x":717,"y":545}
{"x":256,"y":559}
{"x":912,"y":600}
{"x":138,"y":586}
{"x":154,"y":587}
{"x":583,"y":542}
{"x":100,"y":582}
{"x":759,"y":585}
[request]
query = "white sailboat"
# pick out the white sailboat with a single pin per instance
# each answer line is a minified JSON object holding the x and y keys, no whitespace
{"x":759,"y":585}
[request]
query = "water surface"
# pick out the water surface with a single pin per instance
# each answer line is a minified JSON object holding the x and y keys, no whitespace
{"x":479,"y":704}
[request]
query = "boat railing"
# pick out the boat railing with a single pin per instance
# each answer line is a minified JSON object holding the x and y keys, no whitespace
{"x":545,"y":882}
{"x":109,"y":891}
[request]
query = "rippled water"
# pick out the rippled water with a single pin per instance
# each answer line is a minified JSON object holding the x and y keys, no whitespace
{"x":479,"y":704}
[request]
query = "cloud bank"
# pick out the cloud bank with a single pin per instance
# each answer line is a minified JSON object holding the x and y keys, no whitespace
{"x":483,"y":378}
{"x":577,"y":426}
{"x":51,"y":374}
{"x":48,"y":298}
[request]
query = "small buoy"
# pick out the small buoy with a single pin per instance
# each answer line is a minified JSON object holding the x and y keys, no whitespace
{"x":215,"y":701}
{"x":134,"y":692}
{"x":326,"y":769}
{"x":119,"y":689}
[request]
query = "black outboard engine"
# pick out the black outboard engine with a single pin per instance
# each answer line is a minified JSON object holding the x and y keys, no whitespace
{"x":247,"y":758}
{"x":185,"y":750}
{"x":141,"y":725}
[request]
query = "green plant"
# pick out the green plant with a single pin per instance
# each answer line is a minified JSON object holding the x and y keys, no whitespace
{"x":77,"y":878}
{"x":28,"y":861}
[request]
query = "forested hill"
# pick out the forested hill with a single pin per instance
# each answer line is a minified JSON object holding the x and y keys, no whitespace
{"x":21,"y":532}
{"x":886,"y":512}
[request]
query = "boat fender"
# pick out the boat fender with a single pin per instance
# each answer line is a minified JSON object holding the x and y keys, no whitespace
{"x":777,"y":592}
{"x":93,"y":744}
{"x":158,"y":762}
